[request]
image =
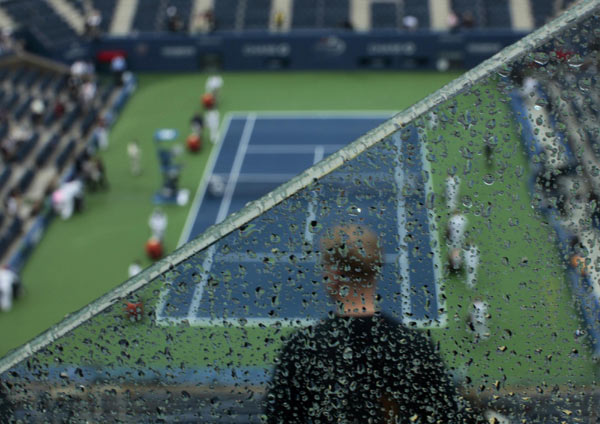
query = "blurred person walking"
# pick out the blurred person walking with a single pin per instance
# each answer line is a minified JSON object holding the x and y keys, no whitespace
{"x":360,"y":365}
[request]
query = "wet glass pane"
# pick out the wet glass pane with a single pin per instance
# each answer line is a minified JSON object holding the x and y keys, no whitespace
{"x":442,"y":268}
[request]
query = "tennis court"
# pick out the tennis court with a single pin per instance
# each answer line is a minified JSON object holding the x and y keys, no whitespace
{"x":258,"y":152}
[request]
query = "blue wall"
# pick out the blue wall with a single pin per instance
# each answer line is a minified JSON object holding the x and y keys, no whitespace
{"x":340,"y":50}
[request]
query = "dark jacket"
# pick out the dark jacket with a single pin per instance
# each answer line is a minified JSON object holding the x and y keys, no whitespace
{"x":360,"y":370}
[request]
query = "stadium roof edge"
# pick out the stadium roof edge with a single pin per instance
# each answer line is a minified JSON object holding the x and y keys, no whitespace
{"x":252,"y":210}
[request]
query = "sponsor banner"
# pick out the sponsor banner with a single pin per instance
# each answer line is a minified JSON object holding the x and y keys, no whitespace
{"x":305,"y":50}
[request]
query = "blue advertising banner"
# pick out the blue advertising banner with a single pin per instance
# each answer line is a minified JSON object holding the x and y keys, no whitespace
{"x":300,"y":50}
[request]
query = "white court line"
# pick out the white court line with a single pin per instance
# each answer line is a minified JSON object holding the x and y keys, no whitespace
{"x":319,"y":114}
{"x":388,"y":258}
{"x":236,"y":168}
{"x":401,"y":217}
{"x":319,"y":153}
{"x":223,"y":210}
{"x":229,"y":116}
{"x":256,"y":177}
{"x":240,"y":322}
{"x":244,"y":148}
{"x":199,"y":290}
{"x":201,"y":190}
{"x":442,"y":320}
{"x":281,"y":178}
{"x":277,"y":149}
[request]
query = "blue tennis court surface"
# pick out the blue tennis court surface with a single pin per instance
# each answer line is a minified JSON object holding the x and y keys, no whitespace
{"x":270,"y":269}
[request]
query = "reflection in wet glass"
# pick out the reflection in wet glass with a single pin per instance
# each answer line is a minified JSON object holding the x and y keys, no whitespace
{"x":483,"y":202}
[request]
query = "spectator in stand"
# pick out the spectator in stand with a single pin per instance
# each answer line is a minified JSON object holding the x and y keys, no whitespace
{"x":68,"y":198}
{"x":211,"y":22}
{"x":8,"y":148}
{"x":101,"y":132}
{"x":87,"y":93}
{"x":92,"y":23}
{"x":410,"y":22}
{"x":118,"y":67}
{"x":467,"y":20}
{"x":453,"y":22}
{"x":38,"y":107}
{"x":347,"y":25}
{"x":12,"y":204}
{"x":78,"y":71}
{"x":93,"y":173}
{"x":6,"y":40}
{"x":59,"y":108}
{"x":279,"y":20}
{"x":174,"y":23}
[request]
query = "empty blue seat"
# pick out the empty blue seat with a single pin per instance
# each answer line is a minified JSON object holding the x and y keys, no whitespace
{"x":47,"y":150}
{"x":419,"y":9}
{"x":497,"y":14}
{"x":335,"y":13}
{"x":88,"y":121}
{"x":25,"y":180}
{"x":305,"y":13}
{"x":225,"y":12}
{"x":70,"y":118}
{"x":63,"y":156}
{"x":146,"y":16}
{"x":5,"y":174}
{"x":22,"y":108}
{"x":257,"y":14}
{"x":26,"y":147}
{"x":107,"y":10}
{"x":9,"y":235}
{"x":384,"y":15}
{"x":542,"y":10}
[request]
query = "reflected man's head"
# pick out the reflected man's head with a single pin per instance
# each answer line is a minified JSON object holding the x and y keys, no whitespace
{"x":351,"y":260}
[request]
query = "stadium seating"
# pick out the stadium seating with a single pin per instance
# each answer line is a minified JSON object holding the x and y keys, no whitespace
{"x":49,"y":145}
{"x":184,"y":10}
{"x":10,"y":234}
{"x":88,"y":120}
{"x":336,"y":13}
{"x":320,"y":14}
{"x":25,"y":180}
{"x":256,"y":14}
{"x":225,"y":14}
{"x":150,"y":15}
{"x":487,"y":13}
{"x":26,"y":147}
{"x":42,"y":21}
{"x":384,"y":15}
{"x":145,"y":17}
{"x":542,"y":11}
{"x":105,"y":7}
{"x":46,"y":151}
{"x":4,"y":175}
{"x":388,"y":15}
{"x":419,"y":9}
{"x":63,"y":156}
